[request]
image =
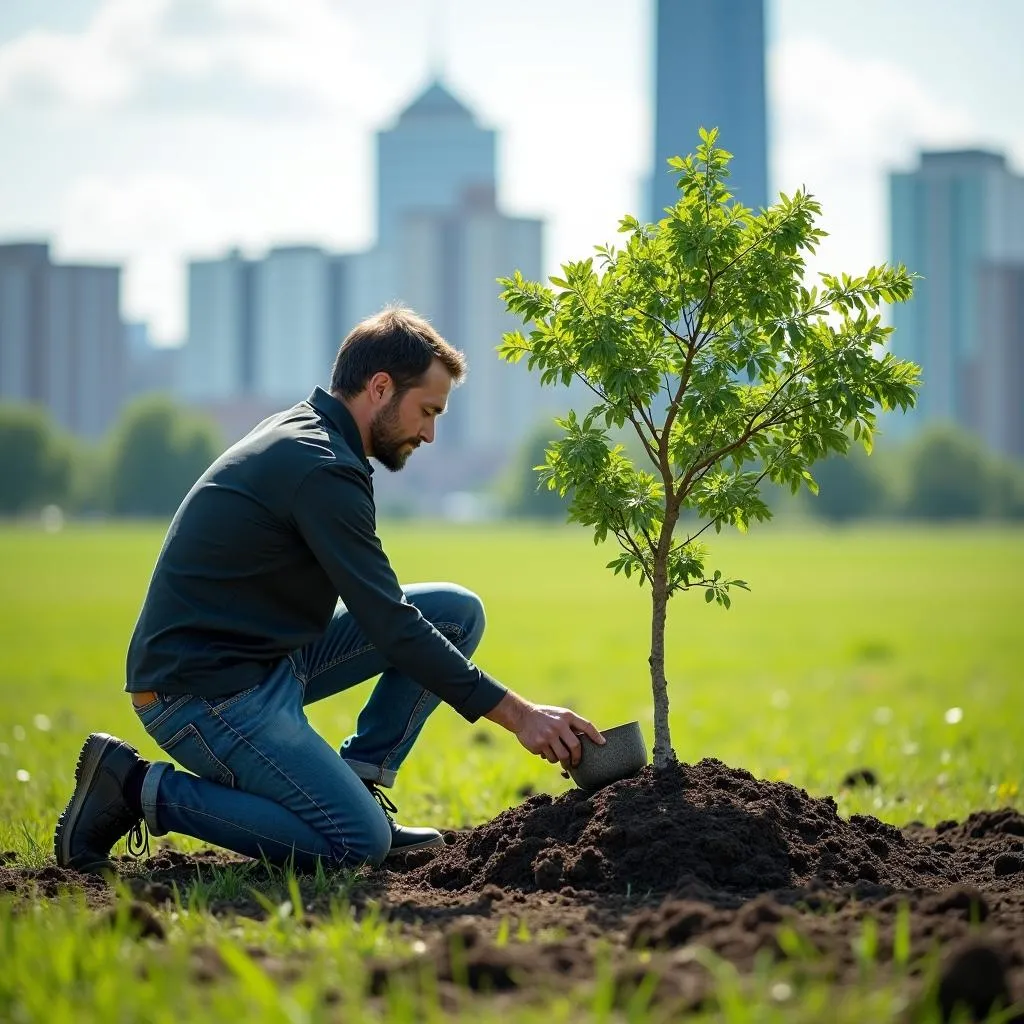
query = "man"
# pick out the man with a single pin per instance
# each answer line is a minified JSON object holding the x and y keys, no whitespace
{"x":242,"y":626}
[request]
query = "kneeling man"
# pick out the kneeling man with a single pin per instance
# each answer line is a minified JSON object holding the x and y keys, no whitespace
{"x":272,"y":591}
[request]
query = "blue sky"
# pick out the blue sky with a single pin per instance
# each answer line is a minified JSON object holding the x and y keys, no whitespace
{"x":148,"y":131}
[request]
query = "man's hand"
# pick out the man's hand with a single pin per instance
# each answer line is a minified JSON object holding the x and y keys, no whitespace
{"x":551,"y":732}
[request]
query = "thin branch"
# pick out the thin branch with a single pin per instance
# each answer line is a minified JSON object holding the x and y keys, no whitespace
{"x":625,"y":540}
{"x":761,"y":476}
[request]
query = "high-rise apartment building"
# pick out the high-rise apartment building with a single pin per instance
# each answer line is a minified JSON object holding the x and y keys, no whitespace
{"x":709,"y":72}
{"x":292,"y":322}
{"x":217,"y":360}
{"x":1001,"y":345}
{"x":62,"y":340}
{"x":954,"y":221}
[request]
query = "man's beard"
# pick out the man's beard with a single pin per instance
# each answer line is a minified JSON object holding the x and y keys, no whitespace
{"x":385,"y":440}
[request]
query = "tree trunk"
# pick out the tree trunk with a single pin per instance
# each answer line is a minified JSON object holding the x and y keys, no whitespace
{"x":663,"y":752}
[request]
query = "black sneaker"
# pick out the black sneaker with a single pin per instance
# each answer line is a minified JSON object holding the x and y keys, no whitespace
{"x":404,"y":839}
{"x":98,"y":814}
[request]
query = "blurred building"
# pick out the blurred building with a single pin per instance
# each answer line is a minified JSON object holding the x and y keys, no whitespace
{"x":434,"y":154}
{"x":217,"y":359}
{"x":1001,"y":345}
{"x":62,"y":341}
{"x":449,"y":267}
{"x":150,"y":368}
{"x":300,"y":309}
{"x":709,"y":72}
{"x":958,"y":222}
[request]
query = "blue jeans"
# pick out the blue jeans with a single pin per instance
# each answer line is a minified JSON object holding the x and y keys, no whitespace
{"x":265,"y":784}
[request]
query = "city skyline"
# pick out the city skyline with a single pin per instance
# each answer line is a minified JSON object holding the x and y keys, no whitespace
{"x":154,"y":131}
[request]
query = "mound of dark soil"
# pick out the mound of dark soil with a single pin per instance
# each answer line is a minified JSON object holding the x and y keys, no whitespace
{"x":705,"y":828}
{"x":647,"y":869}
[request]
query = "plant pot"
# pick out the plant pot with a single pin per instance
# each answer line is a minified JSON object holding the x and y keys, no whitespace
{"x":622,"y":755}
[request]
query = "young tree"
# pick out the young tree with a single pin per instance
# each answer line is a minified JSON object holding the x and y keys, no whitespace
{"x":701,"y":334}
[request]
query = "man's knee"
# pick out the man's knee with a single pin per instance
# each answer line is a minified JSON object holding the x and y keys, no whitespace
{"x":369,"y":845}
{"x":468,"y":613}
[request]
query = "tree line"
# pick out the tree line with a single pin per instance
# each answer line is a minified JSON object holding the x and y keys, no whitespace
{"x":144,"y":467}
{"x":942,"y":474}
{"x":158,"y":449}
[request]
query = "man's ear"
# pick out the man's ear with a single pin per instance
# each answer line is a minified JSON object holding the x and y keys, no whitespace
{"x":380,"y":386}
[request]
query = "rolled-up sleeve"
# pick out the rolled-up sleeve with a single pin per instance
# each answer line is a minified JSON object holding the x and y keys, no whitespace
{"x":334,"y":513}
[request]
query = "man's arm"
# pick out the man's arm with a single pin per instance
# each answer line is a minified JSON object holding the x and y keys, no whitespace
{"x":551,"y":732}
{"x":334,"y":513}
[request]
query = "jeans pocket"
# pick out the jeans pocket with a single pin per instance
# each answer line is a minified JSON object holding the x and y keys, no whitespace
{"x":190,"y":750}
{"x":157,"y":712}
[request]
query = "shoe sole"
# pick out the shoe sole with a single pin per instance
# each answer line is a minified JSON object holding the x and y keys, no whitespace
{"x":85,"y":771}
{"x":428,"y":844}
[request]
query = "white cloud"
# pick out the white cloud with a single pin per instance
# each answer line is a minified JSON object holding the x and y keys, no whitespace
{"x":148,"y":223}
{"x":841,"y":124}
{"x":264,"y":55}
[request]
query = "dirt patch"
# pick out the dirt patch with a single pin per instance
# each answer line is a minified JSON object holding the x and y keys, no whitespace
{"x":658,"y":868}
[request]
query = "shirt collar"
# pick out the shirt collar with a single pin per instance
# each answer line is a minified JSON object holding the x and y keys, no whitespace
{"x":341,"y":419}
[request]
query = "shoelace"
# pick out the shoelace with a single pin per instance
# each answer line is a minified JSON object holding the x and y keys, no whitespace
{"x":138,"y":840}
{"x":381,"y":797}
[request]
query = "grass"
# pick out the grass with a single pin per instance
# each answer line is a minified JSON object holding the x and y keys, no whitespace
{"x":894,"y":649}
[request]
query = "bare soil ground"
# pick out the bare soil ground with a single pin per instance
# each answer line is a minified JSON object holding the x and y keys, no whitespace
{"x":649,"y":869}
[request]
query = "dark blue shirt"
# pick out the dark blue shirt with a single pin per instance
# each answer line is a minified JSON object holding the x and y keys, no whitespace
{"x":256,"y":557}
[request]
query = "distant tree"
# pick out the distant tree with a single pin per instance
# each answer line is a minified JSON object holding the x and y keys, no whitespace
{"x":527,"y":495}
{"x":159,"y":450}
{"x":948,"y":476}
{"x":34,"y":459}
{"x":1007,"y":489}
{"x":849,"y":487}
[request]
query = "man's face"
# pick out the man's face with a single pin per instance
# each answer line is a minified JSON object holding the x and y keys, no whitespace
{"x":407,"y":420}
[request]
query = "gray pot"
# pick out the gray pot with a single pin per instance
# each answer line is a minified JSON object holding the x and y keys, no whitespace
{"x":622,"y":755}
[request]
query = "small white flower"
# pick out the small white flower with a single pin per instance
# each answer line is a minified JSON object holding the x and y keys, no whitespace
{"x":883,"y":715}
{"x":21,"y":775}
{"x":910,"y":748}
{"x":781,"y":991}
{"x":42,"y":723}
{"x":954,"y":715}
{"x":19,"y":732}
{"x":780,"y":700}
{"x":945,"y":757}
{"x":5,"y":750}
{"x":419,"y":946}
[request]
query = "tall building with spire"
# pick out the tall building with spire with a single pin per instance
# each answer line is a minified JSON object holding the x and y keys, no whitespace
{"x":709,"y":72}
{"x":434,"y":154}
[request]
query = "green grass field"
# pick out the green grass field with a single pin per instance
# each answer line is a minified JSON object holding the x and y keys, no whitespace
{"x":896,"y":649}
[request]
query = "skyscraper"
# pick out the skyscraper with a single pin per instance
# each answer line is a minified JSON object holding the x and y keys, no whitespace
{"x":954,"y":220}
{"x":1001,"y":342}
{"x":433,"y":154}
{"x":218,"y":355}
{"x":62,"y":342}
{"x":709,"y":73}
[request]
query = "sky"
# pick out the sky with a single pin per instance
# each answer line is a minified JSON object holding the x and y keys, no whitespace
{"x":148,"y":132}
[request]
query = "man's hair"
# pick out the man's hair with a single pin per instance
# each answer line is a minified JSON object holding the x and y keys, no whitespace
{"x":396,"y":342}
